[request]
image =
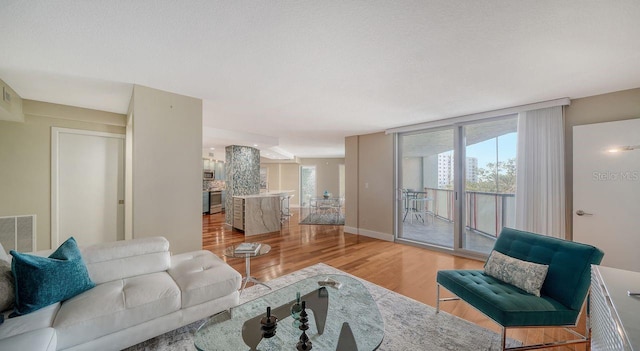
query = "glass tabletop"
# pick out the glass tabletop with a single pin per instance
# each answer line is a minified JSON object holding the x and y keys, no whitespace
{"x":350,"y":306}
{"x":230,"y":251}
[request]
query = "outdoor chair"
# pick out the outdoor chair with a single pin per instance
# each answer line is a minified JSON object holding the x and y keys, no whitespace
{"x":562,"y":291}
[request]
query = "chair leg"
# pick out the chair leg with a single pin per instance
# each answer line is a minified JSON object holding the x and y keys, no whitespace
{"x":503,"y":342}
{"x":437,"y":298}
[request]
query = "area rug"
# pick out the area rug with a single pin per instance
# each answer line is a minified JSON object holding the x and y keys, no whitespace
{"x":408,"y":324}
{"x":323,"y":218}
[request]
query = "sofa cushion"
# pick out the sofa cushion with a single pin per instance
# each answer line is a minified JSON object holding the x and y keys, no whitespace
{"x":42,"y":340}
{"x":203,"y":276}
{"x":504,"y":303}
{"x":115,"y":305}
{"x":127,"y":258}
{"x":527,"y":276}
{"x":42,"y":281}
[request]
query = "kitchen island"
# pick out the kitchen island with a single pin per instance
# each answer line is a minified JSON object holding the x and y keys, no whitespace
{"x":259,"y":213}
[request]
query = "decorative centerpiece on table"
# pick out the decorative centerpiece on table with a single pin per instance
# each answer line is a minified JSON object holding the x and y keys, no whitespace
{"x":326,"y":194}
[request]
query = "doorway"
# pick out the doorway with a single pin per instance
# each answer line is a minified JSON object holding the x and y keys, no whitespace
{"x":87,"y":186}
{"x":308,"y":185}
{"x":606,"y":189}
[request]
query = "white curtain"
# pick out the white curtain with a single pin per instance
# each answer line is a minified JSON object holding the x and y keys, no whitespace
{"x":540,"y":190}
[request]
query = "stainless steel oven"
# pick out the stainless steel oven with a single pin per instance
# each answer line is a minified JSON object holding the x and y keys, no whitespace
{"x":215,"y":201}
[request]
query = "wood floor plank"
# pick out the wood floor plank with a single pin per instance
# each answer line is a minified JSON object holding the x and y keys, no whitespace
{"x":405,"y":269}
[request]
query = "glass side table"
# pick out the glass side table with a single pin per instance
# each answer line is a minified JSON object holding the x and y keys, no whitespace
{"x":230,"y":252}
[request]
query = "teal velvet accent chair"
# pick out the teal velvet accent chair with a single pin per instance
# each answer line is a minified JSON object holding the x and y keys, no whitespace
{"x":562,"y":294}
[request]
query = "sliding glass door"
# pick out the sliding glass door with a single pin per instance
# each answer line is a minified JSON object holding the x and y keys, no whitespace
{"x":489,"y":181}
{"x":456,"y":184}
{"x":425,"y":192}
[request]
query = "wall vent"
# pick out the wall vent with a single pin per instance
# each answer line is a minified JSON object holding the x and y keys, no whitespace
{"x":18,"y":233}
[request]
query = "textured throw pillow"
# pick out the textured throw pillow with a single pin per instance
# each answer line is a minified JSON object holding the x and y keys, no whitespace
{"x":42,"y":281}
{"x":527,"y":276}
{"x":7,"y":289}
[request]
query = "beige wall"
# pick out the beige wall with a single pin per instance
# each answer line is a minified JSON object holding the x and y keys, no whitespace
{"x":373,"y":205}
{"x":273,"y":180}
{"x":25,"y":158}
{"x":290,"y":180}
{"x":167,"y":167}
{"x":286,"y":176}
{"x":616,"y":106}
{"x":327,"y":174}
{"x":351,"y":203}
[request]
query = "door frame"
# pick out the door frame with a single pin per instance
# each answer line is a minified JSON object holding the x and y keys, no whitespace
{"x":55,"y":157}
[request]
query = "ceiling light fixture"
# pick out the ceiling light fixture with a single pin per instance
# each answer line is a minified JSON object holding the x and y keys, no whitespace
{"x":624,"y":148}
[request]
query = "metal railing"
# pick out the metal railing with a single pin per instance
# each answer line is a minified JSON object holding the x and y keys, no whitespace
{"x":485,"y":212}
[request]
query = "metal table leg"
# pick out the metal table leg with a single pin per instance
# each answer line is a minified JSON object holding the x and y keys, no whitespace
{"x":248,"y":277}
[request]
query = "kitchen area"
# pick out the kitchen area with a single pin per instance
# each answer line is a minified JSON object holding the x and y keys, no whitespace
{"x":232,"y":186}
{"x":213,"y":186}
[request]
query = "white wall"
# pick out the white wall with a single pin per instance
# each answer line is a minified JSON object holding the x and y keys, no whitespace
{"x":412,"y":173}
{"x":167,"y":167}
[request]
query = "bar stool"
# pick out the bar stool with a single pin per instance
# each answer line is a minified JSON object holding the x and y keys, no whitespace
{"x":285,"y":211}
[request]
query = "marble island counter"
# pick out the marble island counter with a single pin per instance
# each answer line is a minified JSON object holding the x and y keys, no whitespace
{"x":271,"y":193}
{"x":259,"y":213}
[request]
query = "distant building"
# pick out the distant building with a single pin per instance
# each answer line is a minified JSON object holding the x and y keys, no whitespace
{"x":446,"y":167}
{"x":472,"y":169}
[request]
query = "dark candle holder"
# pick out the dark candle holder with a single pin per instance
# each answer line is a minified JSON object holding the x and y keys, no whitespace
{"x":269,"y":324}
{"x":304,"y":344}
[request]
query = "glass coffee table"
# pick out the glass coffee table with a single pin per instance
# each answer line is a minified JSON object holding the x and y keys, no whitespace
{"x":340,"y":319}
{"x":231,"y":252}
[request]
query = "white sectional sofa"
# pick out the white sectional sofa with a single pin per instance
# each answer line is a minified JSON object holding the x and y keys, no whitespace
{"x":141,"y":291}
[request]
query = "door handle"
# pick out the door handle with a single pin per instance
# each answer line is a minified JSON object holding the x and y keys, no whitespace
{"x":582,"y":213}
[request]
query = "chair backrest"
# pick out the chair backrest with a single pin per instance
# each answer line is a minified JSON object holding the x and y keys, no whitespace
{"x":569,"y":275}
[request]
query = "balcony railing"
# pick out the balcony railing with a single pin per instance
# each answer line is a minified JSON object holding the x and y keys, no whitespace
{"x":485,"y":212}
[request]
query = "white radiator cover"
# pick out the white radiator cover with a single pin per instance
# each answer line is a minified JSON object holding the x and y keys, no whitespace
{"x":18,"y":233}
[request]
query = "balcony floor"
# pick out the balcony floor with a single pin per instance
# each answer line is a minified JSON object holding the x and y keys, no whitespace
{"x":437,"y":231}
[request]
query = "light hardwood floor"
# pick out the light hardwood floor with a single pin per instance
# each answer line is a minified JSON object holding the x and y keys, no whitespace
{"x":405,"y":269}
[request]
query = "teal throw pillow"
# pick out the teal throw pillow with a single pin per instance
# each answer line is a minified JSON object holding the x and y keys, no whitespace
{"x":42,"y":281}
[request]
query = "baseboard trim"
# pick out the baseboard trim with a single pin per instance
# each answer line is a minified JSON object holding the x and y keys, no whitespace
{"x":350,"y":230}
{"x":369,"y":233}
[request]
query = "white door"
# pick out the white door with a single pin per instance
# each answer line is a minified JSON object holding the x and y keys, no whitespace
{"x":606,"y":190}
{"x":87,"y":186}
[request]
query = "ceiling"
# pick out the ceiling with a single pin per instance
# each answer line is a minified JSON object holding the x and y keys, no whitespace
{"x":300,"y":76}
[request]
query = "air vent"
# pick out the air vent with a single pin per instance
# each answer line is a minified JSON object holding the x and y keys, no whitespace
{"x":18,"y":233}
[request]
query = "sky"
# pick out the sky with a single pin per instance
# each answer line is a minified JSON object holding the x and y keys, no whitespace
{"x":485,"y":151}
